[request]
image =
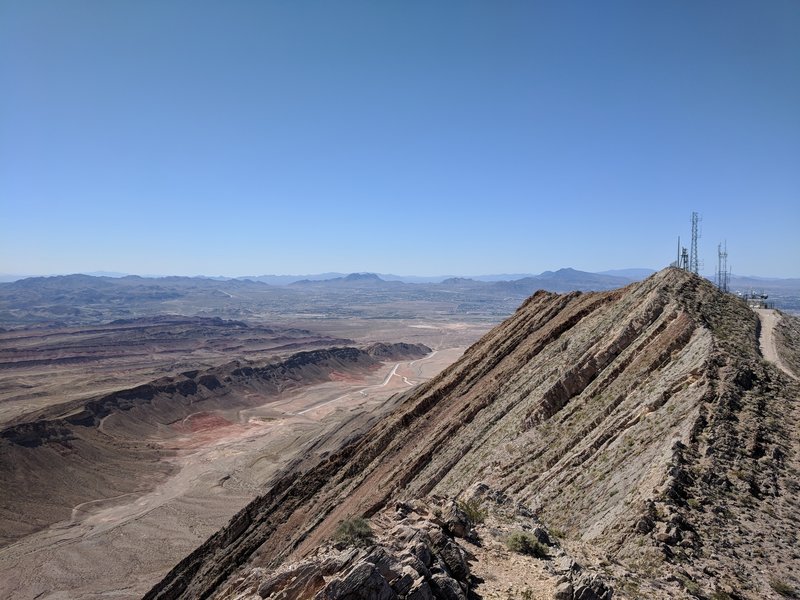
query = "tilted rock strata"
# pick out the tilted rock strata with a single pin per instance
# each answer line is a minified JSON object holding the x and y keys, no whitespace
{"x":641,"y":422}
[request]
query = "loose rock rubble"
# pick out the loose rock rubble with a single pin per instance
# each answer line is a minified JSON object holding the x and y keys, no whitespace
{"x":415,"y":556}
{"x":561,"y":578}
{"x":422,"y":550}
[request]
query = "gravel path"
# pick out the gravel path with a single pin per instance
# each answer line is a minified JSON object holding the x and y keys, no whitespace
{"x":769,"y":319}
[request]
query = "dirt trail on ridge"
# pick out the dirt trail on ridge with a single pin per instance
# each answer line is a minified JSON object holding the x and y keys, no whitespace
{"x":769,"y":319}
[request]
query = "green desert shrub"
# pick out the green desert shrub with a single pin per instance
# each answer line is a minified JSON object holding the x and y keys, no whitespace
{"x":525,"y":543}
{"x":783,"y":588}
{"x":692,"y":586}
{"x":354,"y":532}
{"x":473,"y":510}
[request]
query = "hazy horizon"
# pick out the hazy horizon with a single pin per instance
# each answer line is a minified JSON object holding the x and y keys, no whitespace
{"x":117,"y":274}
{"x":252,"y":138}
{"x":497,"y":276}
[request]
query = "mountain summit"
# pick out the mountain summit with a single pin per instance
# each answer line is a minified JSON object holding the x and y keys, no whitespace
{"x":638,"y":434}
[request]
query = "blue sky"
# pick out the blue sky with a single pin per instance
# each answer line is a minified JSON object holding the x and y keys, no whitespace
{"x":252,"y":137}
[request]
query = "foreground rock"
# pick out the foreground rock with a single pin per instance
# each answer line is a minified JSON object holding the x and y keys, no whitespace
{"x":424,"y":550}
{"x":414,"y":556}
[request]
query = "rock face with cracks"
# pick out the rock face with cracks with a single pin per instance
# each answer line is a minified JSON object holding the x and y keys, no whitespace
{"x":641,"y":424}
{"x":414,"y":556}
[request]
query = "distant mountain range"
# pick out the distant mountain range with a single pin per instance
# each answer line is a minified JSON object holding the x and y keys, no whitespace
{"x":77,"y":299}
{"x":351,"y":279}
{"x":629,"y":274}
{"x":583,"y":277}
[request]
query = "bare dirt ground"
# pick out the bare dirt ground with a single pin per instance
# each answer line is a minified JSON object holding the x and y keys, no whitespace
{"x":119,"y":547}
{"x":507,"y":575}
{"x":769,"y":319}
{"x":433,"y":332}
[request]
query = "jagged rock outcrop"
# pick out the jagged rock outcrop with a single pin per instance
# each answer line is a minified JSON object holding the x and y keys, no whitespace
{"x":422,"y":551}
{"x":641,"y":423}
{"x":414,"y":556}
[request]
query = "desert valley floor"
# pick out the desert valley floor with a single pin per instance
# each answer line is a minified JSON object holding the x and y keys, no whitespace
{"x":217,"y":460}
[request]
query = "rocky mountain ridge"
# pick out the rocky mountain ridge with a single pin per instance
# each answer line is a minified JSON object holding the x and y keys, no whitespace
{"x":641,"y":424}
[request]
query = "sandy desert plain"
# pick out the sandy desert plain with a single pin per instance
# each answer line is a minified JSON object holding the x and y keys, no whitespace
{"x":129,"y":531}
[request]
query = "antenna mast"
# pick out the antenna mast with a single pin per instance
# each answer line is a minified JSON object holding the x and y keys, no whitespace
{"x":694,"y":260}
{"x":724,"y":273}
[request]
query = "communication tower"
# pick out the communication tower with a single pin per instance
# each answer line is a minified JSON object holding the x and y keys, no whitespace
{"x":682,"y":258}
{"x":723,"y":274}
{"x":694,"y":260}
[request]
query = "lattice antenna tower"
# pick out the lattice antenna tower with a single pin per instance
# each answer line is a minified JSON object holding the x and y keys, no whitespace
{"x":682,"y":258}
{"x":724,"y":273}
{"x":694,"y":260}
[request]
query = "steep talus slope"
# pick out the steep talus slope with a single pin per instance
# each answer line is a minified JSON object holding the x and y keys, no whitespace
{"x":641,"y":424}
{"x":58,"y":457}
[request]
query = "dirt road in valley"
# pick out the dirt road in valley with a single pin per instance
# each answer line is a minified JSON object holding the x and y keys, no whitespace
{"x":407,"y":367}
{"x":119,"y":547}
{"x":769,"y":319}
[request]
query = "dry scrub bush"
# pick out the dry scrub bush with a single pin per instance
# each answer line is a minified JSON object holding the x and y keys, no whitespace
{"x":354,"y":532}
{"x":783,"y":588}
{"x":473,"y":510}
{"x":525,"y":543}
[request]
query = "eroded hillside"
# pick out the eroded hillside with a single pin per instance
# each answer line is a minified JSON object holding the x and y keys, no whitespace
{"x":641,"y":424}
{"x":56,"y":458}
